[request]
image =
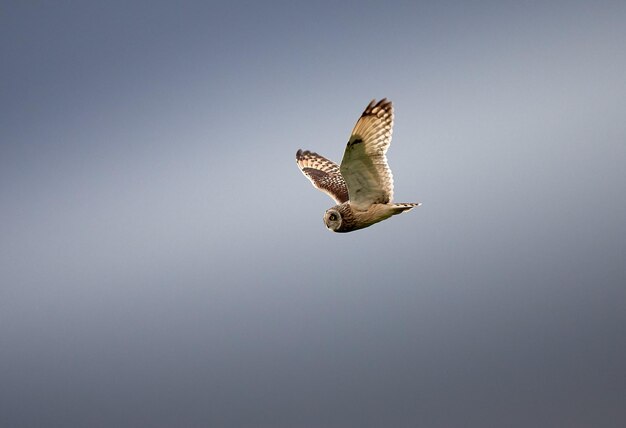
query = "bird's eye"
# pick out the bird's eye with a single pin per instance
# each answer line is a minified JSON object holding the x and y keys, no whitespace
{"x":332,"y":217}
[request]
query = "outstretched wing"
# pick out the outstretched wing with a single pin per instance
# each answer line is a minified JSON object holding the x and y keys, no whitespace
{"x":324,"y":174}
{"x":364,"y":165}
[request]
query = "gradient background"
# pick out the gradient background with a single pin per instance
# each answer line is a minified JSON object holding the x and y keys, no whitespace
{"x":163,"y":262}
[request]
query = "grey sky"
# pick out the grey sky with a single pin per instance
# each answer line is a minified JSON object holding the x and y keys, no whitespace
{"x":164,"y":263}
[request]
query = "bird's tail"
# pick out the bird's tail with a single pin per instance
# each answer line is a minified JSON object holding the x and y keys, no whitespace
{"x":400,"y":208}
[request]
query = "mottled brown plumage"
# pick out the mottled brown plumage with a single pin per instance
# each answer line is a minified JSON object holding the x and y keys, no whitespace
{"x":324,"y":174}
{"x":363,"y":184}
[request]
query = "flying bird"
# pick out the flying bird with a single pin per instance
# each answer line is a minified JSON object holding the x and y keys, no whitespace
{"x":362,"y":186}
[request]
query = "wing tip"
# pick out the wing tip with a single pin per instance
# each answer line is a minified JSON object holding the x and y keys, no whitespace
{"x":375,"y":106}
{"x":301,"y":154}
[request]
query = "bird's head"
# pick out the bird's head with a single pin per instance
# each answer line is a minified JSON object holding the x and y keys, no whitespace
{"x":333,"y":219}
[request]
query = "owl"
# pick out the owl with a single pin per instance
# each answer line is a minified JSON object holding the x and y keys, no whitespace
{"x":362,"y":186}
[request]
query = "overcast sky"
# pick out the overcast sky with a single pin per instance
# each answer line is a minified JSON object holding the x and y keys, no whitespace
{"x":163,"y":262}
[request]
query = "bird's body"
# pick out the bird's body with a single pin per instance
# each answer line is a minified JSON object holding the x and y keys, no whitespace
{"x":363,"y":185}
{"x":353,"y":219}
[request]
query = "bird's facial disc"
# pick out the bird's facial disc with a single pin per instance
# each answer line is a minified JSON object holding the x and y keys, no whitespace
{"x":332,"y":219}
